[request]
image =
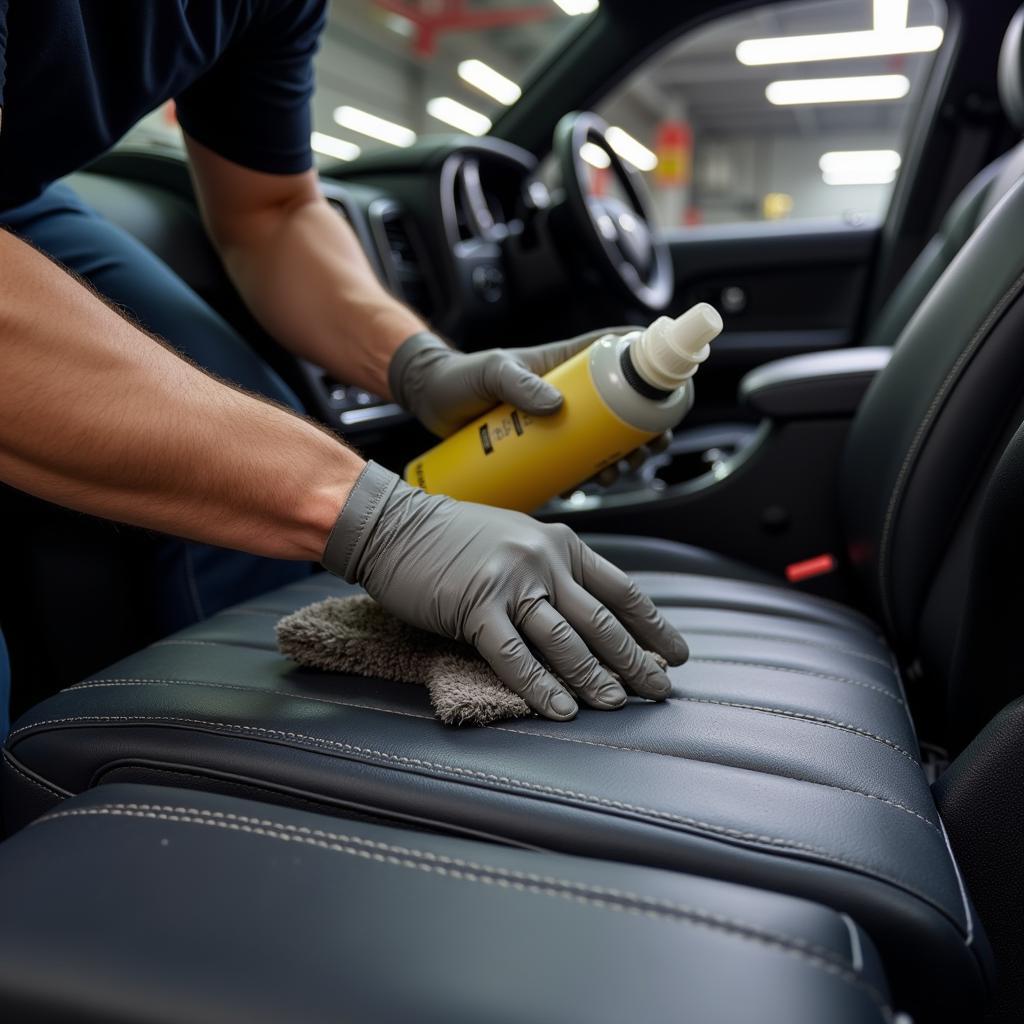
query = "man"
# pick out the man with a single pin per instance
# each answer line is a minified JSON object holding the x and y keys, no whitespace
{"x":99,"y":416}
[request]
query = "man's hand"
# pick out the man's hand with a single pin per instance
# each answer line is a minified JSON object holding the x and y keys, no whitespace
{"x":505,"y":583}
{"x":445,"y":389}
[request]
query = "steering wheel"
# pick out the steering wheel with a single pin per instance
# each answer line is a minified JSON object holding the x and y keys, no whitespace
{"x":632,"y":256}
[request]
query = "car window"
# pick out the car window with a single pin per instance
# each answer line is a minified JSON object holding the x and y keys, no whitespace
{"x":796,"y":110}
{"x":390,"y":71}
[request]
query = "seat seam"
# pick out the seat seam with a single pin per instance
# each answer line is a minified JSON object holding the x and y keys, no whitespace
{"x":248,"y":645}
{"x":133,"y":809}
{"x":896,"y":498}
{"x":516,"y":785}
{"x":820,"y":644}
{"x":577,"y":892}
{"x":42,"y":784}
{"x":797,"y":671}
{"x":96,"y":684}
{"x":104,"y":683}
{"x":802,"y":717}
{"x":856,"y":620}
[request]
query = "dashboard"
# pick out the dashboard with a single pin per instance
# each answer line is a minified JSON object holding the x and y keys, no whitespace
{"x":455,"y":227}
{"x":441,"y":227}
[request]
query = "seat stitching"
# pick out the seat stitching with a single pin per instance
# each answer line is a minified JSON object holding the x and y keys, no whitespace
{"x":658,"y":753}
{"x":798,"y":671}
{"x":576,"y":891}
{"x":968,"y":918}
{"x":104,"y":683}
{"x":856,"y":619}
{"x":38,"y":783}
{"x":514,"y":783}
{"x":96,"y":684}
{"x":252,"y":611}
{"x":915,"y":444}
{"x":196,"y":643}
{"x":803,"y":717}
{"x":145,"y":810}
{"x":821,"y":644}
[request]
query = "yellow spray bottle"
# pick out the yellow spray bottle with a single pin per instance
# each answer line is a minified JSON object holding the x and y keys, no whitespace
{"x":618,"y":394}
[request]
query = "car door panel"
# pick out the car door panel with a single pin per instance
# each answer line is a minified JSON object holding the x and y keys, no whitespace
{"x":783,"y":289}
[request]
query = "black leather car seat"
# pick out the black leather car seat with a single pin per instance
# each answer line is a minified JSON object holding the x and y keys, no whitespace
{"x":167,"y":905}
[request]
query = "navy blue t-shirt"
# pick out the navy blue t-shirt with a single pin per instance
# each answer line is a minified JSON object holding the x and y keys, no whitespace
{"x":75,"y":75}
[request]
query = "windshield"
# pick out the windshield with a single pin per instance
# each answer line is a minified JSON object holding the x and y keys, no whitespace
{"x":391,"y":71}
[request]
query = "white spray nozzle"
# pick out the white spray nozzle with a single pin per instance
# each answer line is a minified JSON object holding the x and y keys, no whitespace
{"x":669,"y":351}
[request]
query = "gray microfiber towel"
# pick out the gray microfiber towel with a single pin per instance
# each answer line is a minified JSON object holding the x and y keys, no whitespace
{"x":356,"y":636}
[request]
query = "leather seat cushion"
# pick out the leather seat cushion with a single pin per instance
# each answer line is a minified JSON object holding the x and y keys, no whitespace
{"x":164,"y":904}
{"x":784,"y":759}
{"x":655,"y":554}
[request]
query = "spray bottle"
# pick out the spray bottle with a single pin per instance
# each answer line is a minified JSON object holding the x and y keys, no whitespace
{"x":619,"y":393}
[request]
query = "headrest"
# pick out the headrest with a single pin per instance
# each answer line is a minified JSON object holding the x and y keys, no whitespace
{"x":1011,"y":71}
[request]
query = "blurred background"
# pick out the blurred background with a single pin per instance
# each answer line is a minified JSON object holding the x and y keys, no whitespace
{"x":793,"y":110}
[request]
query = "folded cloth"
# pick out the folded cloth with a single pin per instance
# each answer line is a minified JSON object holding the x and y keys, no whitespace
{"x":355,"y":635}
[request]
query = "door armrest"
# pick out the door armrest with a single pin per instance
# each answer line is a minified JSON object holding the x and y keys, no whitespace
{"x":820,"y":384}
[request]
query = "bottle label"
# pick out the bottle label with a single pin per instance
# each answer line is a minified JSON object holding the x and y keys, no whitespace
{"x":514,"y":460}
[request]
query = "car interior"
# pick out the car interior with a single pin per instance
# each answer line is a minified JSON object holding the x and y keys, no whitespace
{"x":824,"y":822}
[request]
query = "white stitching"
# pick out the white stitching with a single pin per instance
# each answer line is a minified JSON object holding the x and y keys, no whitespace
{"x":103,"y":683}
{"x":38,"y":783}
{"x":820,"y":644}
{"x":827,"y":723}
{"x":137,"y":809}
{"x":586,"y":895}
{"x":968,"y":918}
{"x":897,"y":491}
{"x":856,"y":952}
{"x":793,"y":845}
{"x":468,"y":772}
{"x":856,"y":619}
{"x":96,"y":684}
{"x":797,"y":671}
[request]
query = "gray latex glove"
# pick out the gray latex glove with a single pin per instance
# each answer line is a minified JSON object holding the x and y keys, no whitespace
{"x":445,"y":389}
{"x":501,"y":581}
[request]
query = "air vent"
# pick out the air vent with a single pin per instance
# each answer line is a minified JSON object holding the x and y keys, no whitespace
{"x":339,"y":207}
{"x":403,"y":256}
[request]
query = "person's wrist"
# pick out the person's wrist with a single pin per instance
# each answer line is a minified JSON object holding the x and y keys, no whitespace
{"x":406,"y":355}
{"x":354,"y":524}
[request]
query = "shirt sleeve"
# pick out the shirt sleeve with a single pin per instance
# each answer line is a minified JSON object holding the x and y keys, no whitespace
{"x":253,"y":105}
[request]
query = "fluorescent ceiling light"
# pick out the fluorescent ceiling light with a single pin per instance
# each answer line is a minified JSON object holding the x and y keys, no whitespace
{"x":859,"y":167}
{"x":838,"y":46}
{"x":458,"y":115}
{"x":357,"y":120}
{"x":629,"y":149}
{"x":863,"y":89}
{"x":328,"y":145}
{"x":890,"y":15}
{"x":487,"y":80}
{"x":595,"y":156}
{"x":574,"y":7}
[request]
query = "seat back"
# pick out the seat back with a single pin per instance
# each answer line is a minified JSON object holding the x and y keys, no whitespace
{"x":970,"y":208}
{"x":932,"y":429}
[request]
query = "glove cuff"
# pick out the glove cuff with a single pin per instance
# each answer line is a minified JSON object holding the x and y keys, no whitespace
{"x":406,"y":353}
{"x":358,"y":517}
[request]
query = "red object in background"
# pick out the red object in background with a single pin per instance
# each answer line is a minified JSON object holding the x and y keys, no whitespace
{"x":809,"y":568}
{"x":434,"y":19}
{"x":170,"y":113}
{"x":674,"y":146}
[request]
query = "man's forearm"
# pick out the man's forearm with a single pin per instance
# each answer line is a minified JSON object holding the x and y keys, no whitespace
{"x":301,"y":269}
{"x":97,"y":416}
{"x":308,"y":281}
